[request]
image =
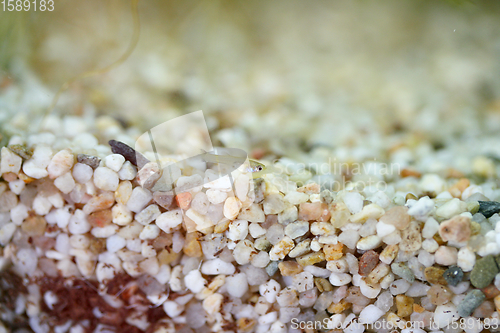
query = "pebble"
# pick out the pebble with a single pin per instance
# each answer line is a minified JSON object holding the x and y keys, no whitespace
{"x":446,"y":256}
{"x":114,"y":162}
{"x":36,"y":166}
{"x":10,"y":162}
{"x":453,"y":275}
{"x":273,"y":204}
{"x":370,"y":211}
{"x":401,"y":270}
{"x":281,"y":249}
{"x":148,"y":215}
{"x":411,"y":239}
{"x":404,"y":305}
{"x":91,"y":161}
{"x":472,"y":300}
{"x":195,"y":282}
{"x":367,"y":262}
{"x":238,"y":230}
{"x":397,"y":217}
{"x":439,"y":294}
{"x":217,"y":266}
{"x":422,"y":208}
{"x":389,"y":253}
{"x":297,"y":229}
{"x":254,"y":213}
{"x":489,"y":208}
{"x":431,"y":227}
{"x":384,"y":229}
{"x":106,"y":179}
{"x":349,"y":238}
{"x":370,"y":314}
{"x":61,"y":163}
{"x":303,"y":281}
{"x":451,"y":208}
{"x":322,"y":229}
{"x":300,"y":249}
{"x":456,"y":229}
{"x":333,"y":251}
{"x":310,"y":259}
{"x":232,"y":208}
{"x":289,"y":268}
{"x":484,"y":272}
{"x":128,"y":171}
{"x":368,"y":243}
{"x":353,"y":201}
{"x":139,"y":199}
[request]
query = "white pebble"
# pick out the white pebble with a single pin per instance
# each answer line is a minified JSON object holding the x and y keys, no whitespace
{"x":340,"y":279}
{"x":106,"y":179}
{"x":399,"y":287}
{"x":169,"y":220}
{"x":256,"y":230}
{"x":445,"y":314}
{"x":194,"y":281}
{"x":270,"y":290}
{"x":238,"y":230}
{"x":216,"y":196}
{"x":150,"y":231}
{"x":303,"y":281}
{"x":17,"y":186}
{"x":466,"y":259}
{"x":82,"y":173}
{"x":446,"y":256}
{"x":121,"y":215}
{"x":65,"y":183}
{"x":148,"y":214}
{"x":114,"y":162}
{"x":41,"y":205}
{"x":61,"y":163}
{"x":369,"y":243}
{"x":115,"y":243}
{"x":128,"y":171}
{"x":237,"y":285}
{"x":430,"y":245}
{"x":431,"y":227}
{"x":104,"y":232}
{"x":18,"y":214}
{"x":353,"y":201}
{"x":10,"y":162}
{"x":422,"y":208}
{"x":78,"y":223}
{"x":370,"y":314}
{"x":6,"y":233}
{"x":36,"y":166}
{"x":217,"y":266}
{"x":139,"y":199}
{"x":370,"y":291}
{"x":384,"y":229}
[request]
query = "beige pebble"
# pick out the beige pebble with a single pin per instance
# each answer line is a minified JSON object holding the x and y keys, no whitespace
{"x":397,"y":216}
{"x":232,"y":208}
{"x":456,"y":229}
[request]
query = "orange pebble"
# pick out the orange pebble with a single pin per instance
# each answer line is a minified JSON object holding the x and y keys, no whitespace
{"x":183,"y":200}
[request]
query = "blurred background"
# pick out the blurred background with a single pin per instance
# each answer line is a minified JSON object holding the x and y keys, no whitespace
{"x":274,"y":76}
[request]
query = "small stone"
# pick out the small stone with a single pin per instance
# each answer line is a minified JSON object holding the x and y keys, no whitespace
{"x":370,"y":211}
{"x":404,"y":305}
{"x":471,"y":301}
{"x":349,"y":238}
{"x":311,"y":211}
{"x":453,"y":275}
{"x":422,"y":208}
{"x":91,"y":161}
{"x":456,"y":229}
{"x":439,"y":294}
{"x":389,"y":253}
{"x":289,"y":268}
{"x":114,"y":162}
{"x":370,"y":314}
{"x":303,"y":281}
{"x":192,"y":246}
{"x":333,"y":251}
{"x":274,"y":204}
{"x":311,"y":259}
{"x":322,"y":229}
{"x":380,"y":271}
{"x":446,"y":256}
{"x":384,"y":229}
{"x":21,"y":150}
{"x":411,"y":239}
{"x":183,"y":200}
{"x":10,"y":162}
{"x":300,"y":249}
{"x":397,"y":216}
{"x":434,"y":275}
{"x":100,"y":219}
{"x":451,"y":208}
{"x":323,"y":284}
{"x":232,"y":208}
{"x":296,"y":229}
{"x":148,"y":215}
{"x":367,"y":263}
{"x":34,"y":226}
{"x":339,"y":307}
{"x":139,"y":199}
{"x":445,"y":314}
{"x":106,"y":179}
{"x":61,"y":163}
{"x":368,"y":243}
{"x":217,"y":266}
{"x":128,"y":171}
{"x":281,"y":249}
{"x":163,"y":199}
{"x":272,"y":268}
{"x":483,"y":272}
{"x":254,"y":213}
{"x":403,"y":271}
{"x":489,"y":208}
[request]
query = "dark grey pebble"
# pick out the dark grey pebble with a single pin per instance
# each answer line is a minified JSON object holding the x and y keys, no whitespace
{"x":453,"y":275}
{"x":470,"y":302}
{"x":488,"y":208}
{"x":91,"y":161}
{"x":129,"y":153}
